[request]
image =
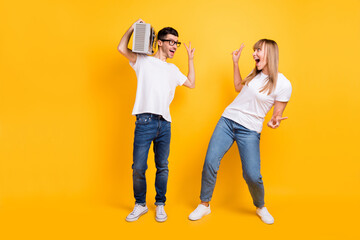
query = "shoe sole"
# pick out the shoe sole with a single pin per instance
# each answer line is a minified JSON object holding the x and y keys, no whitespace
{"x":268,"y":223}
{"x":134,"y":219}
{"x":200,"y":217}
{"x":160,"y":219}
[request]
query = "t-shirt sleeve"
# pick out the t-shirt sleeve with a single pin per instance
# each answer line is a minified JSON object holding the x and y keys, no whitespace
{"x":285,"y":92}
{"x":139,"y":60}
{"x":180,"y":77}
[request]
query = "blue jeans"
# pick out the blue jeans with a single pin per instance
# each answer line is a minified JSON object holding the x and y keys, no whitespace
{"x":151,"y":128}
{"x":225,"y":133}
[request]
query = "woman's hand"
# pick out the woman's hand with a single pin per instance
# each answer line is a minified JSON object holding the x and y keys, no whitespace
{"x":276,"y":118}
{"x":275,"y":121}
{"x":236,"y":54}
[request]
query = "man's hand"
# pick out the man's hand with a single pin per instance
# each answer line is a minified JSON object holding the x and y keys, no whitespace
{"x":190,"y":51}
{"x":123,"y":45}
{"x":190,"y":81}
{"x":138,"y":21}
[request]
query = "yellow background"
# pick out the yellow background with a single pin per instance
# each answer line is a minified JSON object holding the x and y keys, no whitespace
{"x":66,"y":129}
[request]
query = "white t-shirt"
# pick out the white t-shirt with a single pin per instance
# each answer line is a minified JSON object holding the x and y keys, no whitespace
{"x":250,"y":106}
{"x":156,"y":83}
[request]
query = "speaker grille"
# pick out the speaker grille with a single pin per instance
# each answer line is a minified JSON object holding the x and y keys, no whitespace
{"x":140,"y":37}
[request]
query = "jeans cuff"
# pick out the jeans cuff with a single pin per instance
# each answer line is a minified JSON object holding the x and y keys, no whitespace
{"x":160,"y":203}
{"x":142,"y":204}
{"x":205,"y":199}
{"x":259,"y":205}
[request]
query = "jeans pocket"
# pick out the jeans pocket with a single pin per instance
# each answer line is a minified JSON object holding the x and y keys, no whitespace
{"x":143,"y":120}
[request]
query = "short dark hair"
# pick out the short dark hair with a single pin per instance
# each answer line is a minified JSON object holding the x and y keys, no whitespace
{"x":165,"y":31}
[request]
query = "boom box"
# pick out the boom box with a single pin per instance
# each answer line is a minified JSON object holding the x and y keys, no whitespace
{"x":144,"y":36}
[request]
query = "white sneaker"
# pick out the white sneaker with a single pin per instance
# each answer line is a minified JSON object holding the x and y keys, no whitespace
{"x":137,"y":212}
{"x":160,"y":214}
{"x":199,"y":212}
{"x":265,"y":216}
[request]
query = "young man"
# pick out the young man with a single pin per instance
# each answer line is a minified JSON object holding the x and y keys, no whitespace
{"x":156,"y":83}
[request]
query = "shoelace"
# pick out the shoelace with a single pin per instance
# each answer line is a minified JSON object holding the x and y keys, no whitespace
{"x":265,"y":214}
{"x":136,"y":209}
{"x":161,"y":211}
{"x":197,"y":209}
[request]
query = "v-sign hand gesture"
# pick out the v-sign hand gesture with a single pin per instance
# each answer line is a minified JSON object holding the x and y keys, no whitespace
{"x":275,"y":121}
{"x":190,"y":51}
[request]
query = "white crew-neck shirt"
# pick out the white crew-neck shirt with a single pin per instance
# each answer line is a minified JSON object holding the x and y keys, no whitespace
{"x":156,"y":83}
{"x":250,"y":106}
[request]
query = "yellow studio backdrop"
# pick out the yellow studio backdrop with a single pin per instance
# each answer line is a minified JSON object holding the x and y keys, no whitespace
{"x":66,"y":130}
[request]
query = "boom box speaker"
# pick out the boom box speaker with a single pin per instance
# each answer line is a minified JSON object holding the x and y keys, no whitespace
{"x":144,"y":36}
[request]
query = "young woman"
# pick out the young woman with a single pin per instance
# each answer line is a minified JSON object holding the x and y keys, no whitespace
{"x":242,"y":122}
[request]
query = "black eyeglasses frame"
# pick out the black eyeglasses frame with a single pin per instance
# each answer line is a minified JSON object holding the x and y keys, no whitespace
{"x":178,"y":44}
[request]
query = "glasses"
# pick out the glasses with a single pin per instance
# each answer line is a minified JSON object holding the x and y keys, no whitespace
{"x":171,"y":42}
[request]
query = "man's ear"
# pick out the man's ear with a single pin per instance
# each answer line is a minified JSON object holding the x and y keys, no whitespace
{"x":160,"y":43}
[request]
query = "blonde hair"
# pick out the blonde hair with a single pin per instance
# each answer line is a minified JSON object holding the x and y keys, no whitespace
{"x":272,"y":59}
